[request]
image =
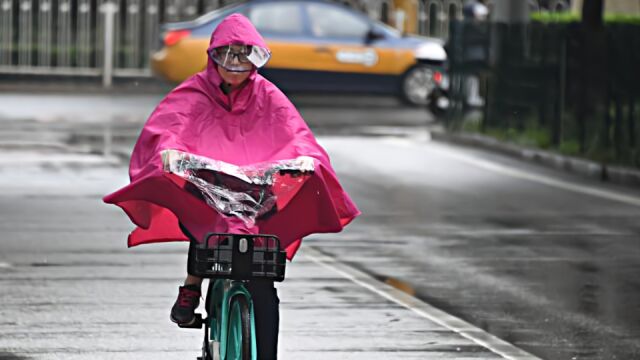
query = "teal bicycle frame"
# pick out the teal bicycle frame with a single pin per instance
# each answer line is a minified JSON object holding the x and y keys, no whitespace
{"x":230,"y":261}
{"x":225,"y":334}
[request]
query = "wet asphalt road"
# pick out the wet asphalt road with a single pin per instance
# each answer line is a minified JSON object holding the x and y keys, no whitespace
{"x":552,"y":270}
{"x":544,"y":266}
{"x":328,"y":113}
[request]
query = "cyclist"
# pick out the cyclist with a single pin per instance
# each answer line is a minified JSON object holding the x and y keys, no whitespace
{"x":231,"y":113}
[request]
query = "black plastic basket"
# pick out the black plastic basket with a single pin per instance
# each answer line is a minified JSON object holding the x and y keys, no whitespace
{"x":237,"y":257}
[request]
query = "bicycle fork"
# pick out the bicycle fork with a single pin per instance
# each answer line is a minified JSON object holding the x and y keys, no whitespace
{"x":222,"y":342}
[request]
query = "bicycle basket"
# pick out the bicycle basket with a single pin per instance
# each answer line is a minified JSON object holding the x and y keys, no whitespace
{"x":237,"y":257}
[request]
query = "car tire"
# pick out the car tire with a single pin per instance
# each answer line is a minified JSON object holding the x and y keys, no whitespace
{"x":417,"y":84}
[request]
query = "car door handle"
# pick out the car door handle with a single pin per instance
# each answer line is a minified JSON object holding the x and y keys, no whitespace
{"x":323,"y":49}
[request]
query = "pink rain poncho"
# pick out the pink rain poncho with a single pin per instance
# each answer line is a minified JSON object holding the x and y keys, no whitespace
{"x":253,"y":124}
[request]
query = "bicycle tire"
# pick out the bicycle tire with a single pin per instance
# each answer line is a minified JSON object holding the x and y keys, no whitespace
{"x":239,"y":330}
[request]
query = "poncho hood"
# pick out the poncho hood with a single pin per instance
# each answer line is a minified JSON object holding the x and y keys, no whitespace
{"x":254,"y":124}
{"x":236,"y":29}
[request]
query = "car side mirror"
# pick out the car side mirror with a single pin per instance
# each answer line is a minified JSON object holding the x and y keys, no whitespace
{"x":372,"y":35}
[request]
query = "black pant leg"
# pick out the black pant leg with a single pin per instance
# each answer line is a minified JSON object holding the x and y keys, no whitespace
{"x":266,"y":307}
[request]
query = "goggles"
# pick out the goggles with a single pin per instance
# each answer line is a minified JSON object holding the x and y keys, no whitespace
{"x":239,"y":58}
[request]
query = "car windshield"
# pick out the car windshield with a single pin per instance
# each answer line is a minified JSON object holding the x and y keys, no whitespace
{"x":205,"y":24}
{"x":334,"y":21}
{"x":217,"y":13}
{"x":388,"y":30}
{"x":276,"y":18}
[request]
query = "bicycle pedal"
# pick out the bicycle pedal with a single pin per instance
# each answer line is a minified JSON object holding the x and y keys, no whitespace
{"x":195,"y":324}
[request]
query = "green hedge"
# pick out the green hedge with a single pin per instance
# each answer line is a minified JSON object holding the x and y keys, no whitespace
{"x":568,"y":17}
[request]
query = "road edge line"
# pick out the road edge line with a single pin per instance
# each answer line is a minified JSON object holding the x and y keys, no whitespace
{"x":425,"y":310}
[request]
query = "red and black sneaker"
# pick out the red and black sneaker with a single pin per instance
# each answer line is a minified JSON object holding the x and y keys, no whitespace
{"x":182,"y":312}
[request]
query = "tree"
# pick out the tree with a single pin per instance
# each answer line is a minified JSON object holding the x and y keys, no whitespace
{"x":593,"y":69}
{"x":592,"y":13}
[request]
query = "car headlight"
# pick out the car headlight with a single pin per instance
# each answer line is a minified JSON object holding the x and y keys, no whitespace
{"x":430,"y":51}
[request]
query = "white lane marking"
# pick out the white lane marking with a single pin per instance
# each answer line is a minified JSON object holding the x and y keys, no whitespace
{"x":469,"y":331}
{"x":491,"y":166}
{"x":4,"y":265}
{"x":529,"y":232}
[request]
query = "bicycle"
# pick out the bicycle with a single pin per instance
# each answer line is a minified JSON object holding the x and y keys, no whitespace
{"x":231,"y":260}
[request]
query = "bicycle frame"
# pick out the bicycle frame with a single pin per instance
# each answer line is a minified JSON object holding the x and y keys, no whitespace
{"x":222,"y":291}
{"x":230,"y":261}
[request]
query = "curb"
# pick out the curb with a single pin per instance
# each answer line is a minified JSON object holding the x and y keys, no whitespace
{"x":613,"y":174}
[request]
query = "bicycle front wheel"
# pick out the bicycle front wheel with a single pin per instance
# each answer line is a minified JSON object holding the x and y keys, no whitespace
{"x":239,"y":332}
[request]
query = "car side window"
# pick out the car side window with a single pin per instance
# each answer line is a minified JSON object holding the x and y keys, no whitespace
{"x":207,"y":28}
{"x":277,"y":18}
{"x":333,"y":22}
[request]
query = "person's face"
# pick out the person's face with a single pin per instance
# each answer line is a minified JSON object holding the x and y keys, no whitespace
{"x":231,"y":77}
{"x":235,"y":78}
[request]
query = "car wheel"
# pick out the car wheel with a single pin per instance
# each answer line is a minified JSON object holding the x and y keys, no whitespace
{"x":417,"y":84}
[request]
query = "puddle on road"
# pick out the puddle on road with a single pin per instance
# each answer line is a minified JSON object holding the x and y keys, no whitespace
{"x":400,"y":285}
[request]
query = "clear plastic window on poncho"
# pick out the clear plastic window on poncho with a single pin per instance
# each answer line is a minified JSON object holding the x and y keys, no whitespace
{"x":249,"y":192}
{"x":235,"y":58}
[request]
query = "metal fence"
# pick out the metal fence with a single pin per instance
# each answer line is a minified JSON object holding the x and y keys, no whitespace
{"x":434,"y":16}
{"x":557,"y":86}
{"x":67,"y":37}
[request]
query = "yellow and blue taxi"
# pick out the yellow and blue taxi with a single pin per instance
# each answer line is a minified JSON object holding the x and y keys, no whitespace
{"x":316,"y":46}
